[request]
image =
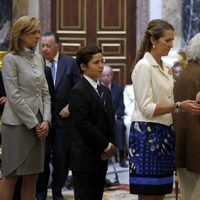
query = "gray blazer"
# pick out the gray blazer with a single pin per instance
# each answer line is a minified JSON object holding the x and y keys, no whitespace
{"x":26,"y":89}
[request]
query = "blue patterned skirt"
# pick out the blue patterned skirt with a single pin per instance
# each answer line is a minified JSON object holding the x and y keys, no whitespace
{"x":152,"y":158}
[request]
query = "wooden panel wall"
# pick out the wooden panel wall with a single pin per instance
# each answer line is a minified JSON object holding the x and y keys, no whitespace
{"x":110,"y":24}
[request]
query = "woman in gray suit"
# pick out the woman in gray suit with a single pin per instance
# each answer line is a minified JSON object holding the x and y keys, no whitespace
{"x":26,"y":115}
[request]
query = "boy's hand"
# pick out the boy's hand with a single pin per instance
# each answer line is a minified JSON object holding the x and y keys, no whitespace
{"x":110,"y":153}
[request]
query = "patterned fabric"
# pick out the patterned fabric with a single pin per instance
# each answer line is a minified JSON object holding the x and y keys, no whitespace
{"x":151,"y":158}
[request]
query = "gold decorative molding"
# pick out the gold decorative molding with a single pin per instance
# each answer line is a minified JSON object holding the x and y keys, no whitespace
{"x":118,"y":50}
{"x":71,"y":32}
{"x":103,"y":15}
{"x":80,"y":27}
{"x":2,"y":54}
{"x":70,"y":46}
{"x":120,"y":28}
{"x":115,"y":57}
{"x":111,"y":32}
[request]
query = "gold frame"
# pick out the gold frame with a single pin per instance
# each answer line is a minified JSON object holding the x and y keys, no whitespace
{"x":2,"y":54}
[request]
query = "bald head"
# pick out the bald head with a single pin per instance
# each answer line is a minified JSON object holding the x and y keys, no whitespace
{"x":107,"y":75}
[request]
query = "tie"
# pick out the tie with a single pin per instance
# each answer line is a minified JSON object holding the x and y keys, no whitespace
{"x":101,"y":93}
{"x":53,"y":71}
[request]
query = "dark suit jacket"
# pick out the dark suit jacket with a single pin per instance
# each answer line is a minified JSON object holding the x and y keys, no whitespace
{"x":66,"y":77}
{"x":117,"y":100}
{"x":92,"y":127}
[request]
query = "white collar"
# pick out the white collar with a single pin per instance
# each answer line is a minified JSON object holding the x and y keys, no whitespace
{"x":49,"y":63}
{"x":91,"y":81}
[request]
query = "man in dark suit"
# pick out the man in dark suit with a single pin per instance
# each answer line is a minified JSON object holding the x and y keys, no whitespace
{"x":61,"y":73}
{"x":90,"y":106}
{"x":118,"y":108}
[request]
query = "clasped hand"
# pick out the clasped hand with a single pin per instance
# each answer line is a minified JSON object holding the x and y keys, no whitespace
{"x":2,"y":100}
{"x":42,"y":129}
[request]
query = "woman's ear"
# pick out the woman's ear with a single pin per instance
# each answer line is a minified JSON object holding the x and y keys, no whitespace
{"x":153,"y":41}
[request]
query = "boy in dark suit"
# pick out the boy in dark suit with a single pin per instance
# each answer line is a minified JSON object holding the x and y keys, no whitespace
{"x":93,"y":120}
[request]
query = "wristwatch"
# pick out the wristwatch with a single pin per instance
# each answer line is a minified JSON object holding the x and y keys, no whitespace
{"x":177,"y":106}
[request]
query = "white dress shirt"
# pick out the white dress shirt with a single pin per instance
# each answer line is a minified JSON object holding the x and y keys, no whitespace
{"x":49,"y":64}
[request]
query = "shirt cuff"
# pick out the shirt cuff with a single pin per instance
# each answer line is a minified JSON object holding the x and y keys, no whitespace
{"x":148,"y":112}
{"x":108,"y":147}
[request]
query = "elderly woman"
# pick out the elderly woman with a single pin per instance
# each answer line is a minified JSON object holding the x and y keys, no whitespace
{"x":27,"y":112}
{"x":187,"y":127}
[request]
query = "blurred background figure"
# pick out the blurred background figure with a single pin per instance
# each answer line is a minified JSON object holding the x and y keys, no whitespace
{"x":177,"y":69}
{"x":118,"y":108}
{"x":129,"y":102}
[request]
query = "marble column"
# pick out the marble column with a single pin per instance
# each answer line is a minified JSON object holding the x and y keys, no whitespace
{"x":45,"y":15}
{"x":142,"y":19}
{"x":20,"y":8}
{"x":191,"y":18}
{"x":171,"y":12}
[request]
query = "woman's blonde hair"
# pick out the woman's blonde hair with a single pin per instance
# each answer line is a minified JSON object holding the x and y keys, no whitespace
{"x":25,"y":24}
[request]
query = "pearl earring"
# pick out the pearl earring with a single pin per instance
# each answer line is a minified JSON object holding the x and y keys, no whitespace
{"x":154,"y":46}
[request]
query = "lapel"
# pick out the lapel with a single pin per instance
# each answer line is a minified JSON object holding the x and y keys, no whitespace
{"x":49,"y":75}
{"x":93,"y":92}
{"x":49,"y":80}
{"x":60,"y":70}
{"x":166,"y":70}
{"x":112,"y":90}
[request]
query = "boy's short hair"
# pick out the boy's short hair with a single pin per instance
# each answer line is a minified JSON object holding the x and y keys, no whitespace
{"x":85,"y":54}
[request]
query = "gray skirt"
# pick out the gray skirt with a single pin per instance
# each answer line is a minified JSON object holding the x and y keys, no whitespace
{"x":22,"y":152}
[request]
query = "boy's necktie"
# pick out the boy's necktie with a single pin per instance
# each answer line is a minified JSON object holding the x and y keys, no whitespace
{"x":101,"y":93}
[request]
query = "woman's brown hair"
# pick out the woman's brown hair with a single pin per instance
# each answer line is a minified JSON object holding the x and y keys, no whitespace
{"x":154,"y":29}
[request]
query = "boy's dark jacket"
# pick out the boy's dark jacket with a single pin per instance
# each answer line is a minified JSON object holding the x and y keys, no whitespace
{"x":92,"y":127}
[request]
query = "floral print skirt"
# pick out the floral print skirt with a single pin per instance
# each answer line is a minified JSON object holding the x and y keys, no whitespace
{"x":152,"y":158}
